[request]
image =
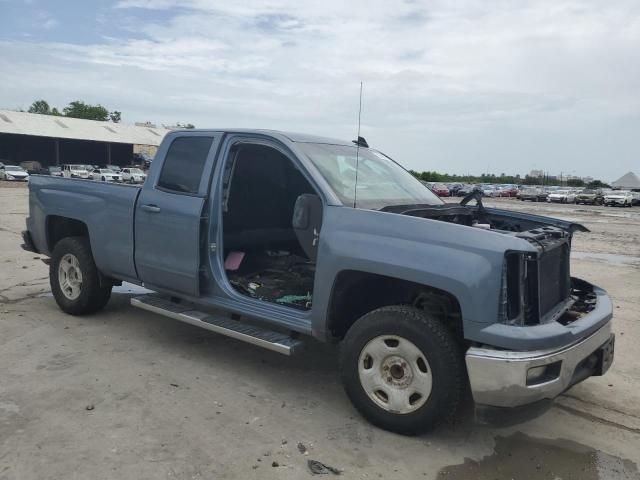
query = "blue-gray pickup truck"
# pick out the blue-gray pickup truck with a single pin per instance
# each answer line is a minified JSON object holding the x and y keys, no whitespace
{"x":272,"y":237}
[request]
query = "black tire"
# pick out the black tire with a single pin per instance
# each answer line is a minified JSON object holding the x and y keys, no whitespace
{"x":93,"y":296}
{"x":104,"y":179}
{"x":436,"y":343}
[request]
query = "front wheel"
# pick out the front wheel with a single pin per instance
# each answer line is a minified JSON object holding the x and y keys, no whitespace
{"x":74,"y":278}
{"x":403,"y":370}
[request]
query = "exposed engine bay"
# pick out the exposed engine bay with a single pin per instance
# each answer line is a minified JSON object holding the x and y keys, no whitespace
{"x":497,"y":220}
{"x":537,"y":287}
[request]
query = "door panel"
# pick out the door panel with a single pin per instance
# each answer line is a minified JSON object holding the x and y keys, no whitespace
{"x":169,"y":211}
{"x":168,"y":240}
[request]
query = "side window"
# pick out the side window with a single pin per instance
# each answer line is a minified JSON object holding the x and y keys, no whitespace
{"x":184,"y":163}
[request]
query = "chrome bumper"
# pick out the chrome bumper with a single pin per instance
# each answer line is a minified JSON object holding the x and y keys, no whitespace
{"x":499,"y":378}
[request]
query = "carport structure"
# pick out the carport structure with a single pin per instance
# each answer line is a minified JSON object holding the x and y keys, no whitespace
{"x":53,"y":140}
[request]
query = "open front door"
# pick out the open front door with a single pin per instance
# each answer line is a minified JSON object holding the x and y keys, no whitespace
{"x":168,"y":216}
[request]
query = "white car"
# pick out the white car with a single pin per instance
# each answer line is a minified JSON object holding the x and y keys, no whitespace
{"x":489,"y":191}
{"x":13,"y":173}
{"x":75,"y":171}
{"x":105,"y":175}
{"x":562,"y":196}
{"x":622,"y":198}
{"x":133,"y":175}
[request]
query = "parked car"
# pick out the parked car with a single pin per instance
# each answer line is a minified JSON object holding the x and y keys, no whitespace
{"x":54,"y":171}
{"x":425,"y":314}
{"x":590,"y":197}
{"x":113,"y":168}
{"x":133,"y":175}
{"x":465,"y":190}
{"x":105,"y":175}
{"x":439,"y":189}
{"x":13,"y":173}
{"x":618,"y":197}
{"x":454,"y":188}
{"x":33,"y":167}
{"x":509,"y":191}
{"x":562,"y":196}
{"x":533,"y":194}
{"x":490,"y":191}
{"x":75,"y":171}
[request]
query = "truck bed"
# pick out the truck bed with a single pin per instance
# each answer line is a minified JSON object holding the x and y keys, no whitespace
{"x":106,"y":209}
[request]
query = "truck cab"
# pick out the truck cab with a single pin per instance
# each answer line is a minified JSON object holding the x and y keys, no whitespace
{"x":272,"y":237}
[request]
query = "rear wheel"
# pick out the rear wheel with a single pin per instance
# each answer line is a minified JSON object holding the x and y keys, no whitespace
{"x":74,"y":278}
{"x":403,"y":370}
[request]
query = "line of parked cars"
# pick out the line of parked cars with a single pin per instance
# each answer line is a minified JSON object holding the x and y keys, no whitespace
{"x":105,"y":173}
{"x":551,"y":194}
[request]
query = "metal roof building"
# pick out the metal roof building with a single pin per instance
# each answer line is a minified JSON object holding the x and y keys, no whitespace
{"x":53,"y":140}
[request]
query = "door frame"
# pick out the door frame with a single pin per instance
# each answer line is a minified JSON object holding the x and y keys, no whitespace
{"x":224,"y":293}
{"x":151,"y":186}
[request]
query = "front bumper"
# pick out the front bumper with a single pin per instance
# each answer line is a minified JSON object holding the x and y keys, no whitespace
{"x":503,"y":378}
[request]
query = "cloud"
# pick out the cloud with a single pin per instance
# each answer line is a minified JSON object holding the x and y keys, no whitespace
{"x":445,"y":83}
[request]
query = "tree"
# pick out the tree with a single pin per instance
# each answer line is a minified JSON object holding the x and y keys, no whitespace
{"x":575,"y":182}
{"x":115,"y":116}
{"x":41,"y":107}
{"x":79,"y":109}
{"x":597,"y":184}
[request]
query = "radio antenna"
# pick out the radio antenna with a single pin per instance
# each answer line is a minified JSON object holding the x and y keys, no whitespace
{"x":355,"y":185}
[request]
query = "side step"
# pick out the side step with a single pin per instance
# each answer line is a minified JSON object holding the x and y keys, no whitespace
{"x":276,"y":341}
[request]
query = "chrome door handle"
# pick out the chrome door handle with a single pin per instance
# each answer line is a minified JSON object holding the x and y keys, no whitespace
{"x":150,"y":208}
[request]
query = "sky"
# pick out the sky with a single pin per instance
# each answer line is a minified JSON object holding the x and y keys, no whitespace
{"x":457,"y":86}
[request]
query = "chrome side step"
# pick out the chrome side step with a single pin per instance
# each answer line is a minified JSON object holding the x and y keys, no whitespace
{"x":276,"y":341}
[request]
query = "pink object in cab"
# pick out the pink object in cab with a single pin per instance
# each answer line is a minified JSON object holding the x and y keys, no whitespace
{"x":233,"y":261}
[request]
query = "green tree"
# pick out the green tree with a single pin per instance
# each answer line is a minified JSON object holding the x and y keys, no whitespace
{"x":41,"y":107}
{"x":115,"y":116}
{"x":79,"y":109}
{"x":598,"y":184}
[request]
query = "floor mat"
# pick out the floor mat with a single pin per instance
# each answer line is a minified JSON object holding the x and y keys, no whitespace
{"x":275,"y":276}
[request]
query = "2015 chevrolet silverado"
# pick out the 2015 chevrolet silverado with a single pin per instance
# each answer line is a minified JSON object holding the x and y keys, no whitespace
{"x":269,"y":237}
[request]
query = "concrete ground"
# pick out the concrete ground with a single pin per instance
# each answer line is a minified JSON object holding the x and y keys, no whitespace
{"x":130,"y":395}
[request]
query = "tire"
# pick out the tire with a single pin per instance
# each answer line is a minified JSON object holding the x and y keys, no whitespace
{"x":440,"y":358}
{"x":78,"y":297}
{"x":104,"y":179}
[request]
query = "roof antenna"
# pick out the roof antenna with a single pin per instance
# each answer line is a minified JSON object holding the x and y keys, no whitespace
{"x":360,"y":141}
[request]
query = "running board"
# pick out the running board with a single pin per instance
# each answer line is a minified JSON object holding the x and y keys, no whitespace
{"x":275,"y":341}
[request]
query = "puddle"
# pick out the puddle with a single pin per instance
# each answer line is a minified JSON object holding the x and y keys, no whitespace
{"x":522,"y":457}
{"x":610,"y":258}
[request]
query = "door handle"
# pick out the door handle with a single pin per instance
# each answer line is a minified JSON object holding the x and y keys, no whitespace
{"x":150,"y":208}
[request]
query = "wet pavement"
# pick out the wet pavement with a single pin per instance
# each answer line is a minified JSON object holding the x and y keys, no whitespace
{"x":519,"y":456}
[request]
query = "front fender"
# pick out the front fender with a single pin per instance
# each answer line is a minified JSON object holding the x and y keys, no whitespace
{"x":463,"y":261}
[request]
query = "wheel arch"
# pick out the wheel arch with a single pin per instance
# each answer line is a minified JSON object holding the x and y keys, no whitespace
{"x":59,"y":227}
{"x":355,"y":293}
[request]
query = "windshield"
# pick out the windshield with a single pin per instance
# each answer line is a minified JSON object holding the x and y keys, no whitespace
{"x":11,"y":168}
{"x":381,"y":181}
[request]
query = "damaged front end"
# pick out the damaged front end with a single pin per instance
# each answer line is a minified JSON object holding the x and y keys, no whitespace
{"x":536,"y":286}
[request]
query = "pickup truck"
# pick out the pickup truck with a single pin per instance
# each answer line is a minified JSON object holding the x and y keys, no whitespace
{"x":272,"y":237}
